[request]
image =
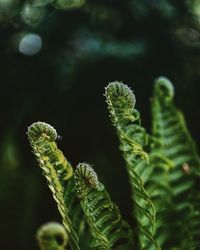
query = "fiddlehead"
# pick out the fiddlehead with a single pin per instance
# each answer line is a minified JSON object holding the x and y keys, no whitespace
{"x":86,"y":179}
{"x":107,"y":227}
{"x":55,"y":168}
{"x":164,"y":88}
{"x":133,"y":139}
{"x":121,"y":102}
{"x":38,"y":128}
{"x":169,"y":127}
{"x":176,"y":144}
{"x":52,"y":236}
{"x":44,"y":136}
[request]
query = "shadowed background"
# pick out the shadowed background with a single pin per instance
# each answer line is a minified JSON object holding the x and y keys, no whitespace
{"x":61,"y":81}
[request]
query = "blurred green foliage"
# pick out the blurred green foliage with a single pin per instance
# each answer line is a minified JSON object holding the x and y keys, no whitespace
{"x":82,"y":49}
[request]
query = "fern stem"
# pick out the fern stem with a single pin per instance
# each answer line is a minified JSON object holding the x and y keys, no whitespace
{"x":55,"y":168}
{"x":133,"y":138}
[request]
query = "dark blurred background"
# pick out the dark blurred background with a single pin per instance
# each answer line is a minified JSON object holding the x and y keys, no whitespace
{"x":55,"y":60}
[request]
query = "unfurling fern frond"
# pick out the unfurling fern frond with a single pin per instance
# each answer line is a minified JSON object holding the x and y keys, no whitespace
{"x":160,"y":190}
{"x":174,"y":142}
{"x":169,"y":127}
{"x":107,"y":227}
{"x":55,"y":168}
{"x":44,"y":135}
{"x":121,"y":103}
{"x":52,"y":236}
{"x":76,"y":214}
{"x":164,"y":173}
{"x":133,"y":139}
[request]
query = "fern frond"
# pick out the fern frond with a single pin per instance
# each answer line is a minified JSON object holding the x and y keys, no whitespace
{"x":107,"y":227}
{"x":133,"y":139}
{"x":55,"y":168}
{"x":41,"y":131}
{"x":76,"y":214}
{"x":176,"y":144}
{"x":160,"y":191}
{"x":52,"y":236}
{"x":121,"y":102}
{"x":170,"y":128}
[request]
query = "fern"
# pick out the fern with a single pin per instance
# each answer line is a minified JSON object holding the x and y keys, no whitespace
{"x":176,"y":144}
{"x":133,"y":139}
{"x":170,"y":128}
{"x":76,"y":214}
{"x":52,"y":236}
{"x":107,"y":227}
{"x":55,"y":168}
{"x":163,"y":169}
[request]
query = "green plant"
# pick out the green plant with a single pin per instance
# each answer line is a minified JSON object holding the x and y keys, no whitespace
{"x":175,"y":144}
{"x":163,"y":170}
{"x":52,"y":236}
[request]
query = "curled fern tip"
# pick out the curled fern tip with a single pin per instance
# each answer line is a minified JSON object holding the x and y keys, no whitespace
{"x":52,"y":235}
{"x":85,"y":178}
{"x":121,"y":101}
{"x":164,"y":87}
{"x":38,"y":129}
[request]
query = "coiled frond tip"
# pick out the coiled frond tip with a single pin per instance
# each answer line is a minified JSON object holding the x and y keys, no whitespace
{"x":121,"y":100}
{"x":52,"y":235}
{"x":37,"y":129}
{"x":85,"y":178}
{"x":164,"y":87}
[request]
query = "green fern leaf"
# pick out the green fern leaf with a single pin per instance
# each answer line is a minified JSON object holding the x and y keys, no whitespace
{"x":76,"y":214}
{"x":107,"y":227}
{"x":176,"y":144}
{"x":55,"y":168}
{"x":133,"y":139}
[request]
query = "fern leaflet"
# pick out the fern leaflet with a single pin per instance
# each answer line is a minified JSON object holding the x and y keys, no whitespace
{"x":107,"y":227}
